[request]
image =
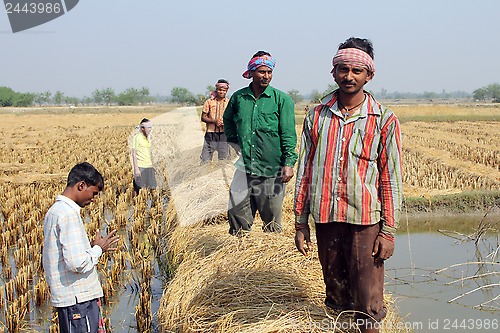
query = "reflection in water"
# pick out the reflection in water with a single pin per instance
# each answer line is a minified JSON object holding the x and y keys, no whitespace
{"x":443,"y":273}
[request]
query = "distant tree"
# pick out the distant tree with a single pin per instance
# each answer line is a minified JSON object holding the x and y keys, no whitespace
{"x":295,"y":95}
{"x":6,"y":96}
{"x":144,"y":95}
{"x":108,"y":95}
{"x":9,"y":97}
{"x":87,"y":100}
{"x":134,"y":96}
{"x":182,"y":96}
{"x":491,"y":91}
{"x":72,"y":101}
{"x":479,"y":94}
{"x":58,"y":97}
{"x":43,"y":97}
{"x":494,"y":90}
{"x":200,"y":99}
{"x":24,"y":99}
{"x":97,"y":96}
{"x":130,"y":96}
{"x":316,"y":96}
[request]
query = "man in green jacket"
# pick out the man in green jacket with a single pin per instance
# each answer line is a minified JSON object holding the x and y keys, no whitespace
{"x":259,"y":122}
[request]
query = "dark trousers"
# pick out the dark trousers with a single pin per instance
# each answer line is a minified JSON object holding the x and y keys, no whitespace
{"x":249,"y":194}
{"x":80,"y":318}
{"x":354,"y":281}
{"x":146,"y":180}
{"x":214,"y":142}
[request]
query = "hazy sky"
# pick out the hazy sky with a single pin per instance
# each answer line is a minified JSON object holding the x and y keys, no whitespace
{"x":420,"y":45}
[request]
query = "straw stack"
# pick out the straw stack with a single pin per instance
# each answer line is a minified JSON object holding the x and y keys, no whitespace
{"x":255,"y":283}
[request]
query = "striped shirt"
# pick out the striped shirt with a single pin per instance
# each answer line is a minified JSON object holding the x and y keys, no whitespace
{"x":214,"y":109}
{"x":350,"y":169}
{"x":68,"y":259}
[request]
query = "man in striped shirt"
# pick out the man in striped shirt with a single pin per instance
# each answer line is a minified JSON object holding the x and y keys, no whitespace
{"x":69,"y":259}
{"x":349,"y":180}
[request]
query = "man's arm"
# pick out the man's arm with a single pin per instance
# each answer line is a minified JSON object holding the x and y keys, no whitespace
{"x":137,"y":171}
{"x":77,"y":253}
{"x":390,"y":187}
{"x":204,"y":115}
{"x":230,"y":129}
{"x":302,"y":187}
{"x":287,"y":132}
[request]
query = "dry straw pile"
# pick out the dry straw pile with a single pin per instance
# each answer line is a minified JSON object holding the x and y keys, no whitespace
{"x":255,"y":283}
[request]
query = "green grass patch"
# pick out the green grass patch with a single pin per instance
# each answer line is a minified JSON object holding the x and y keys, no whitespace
{"x":466,"y":202}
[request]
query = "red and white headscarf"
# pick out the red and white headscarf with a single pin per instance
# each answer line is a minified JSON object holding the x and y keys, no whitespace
{"x":222,"y":85}
{"x":354,"y":57}
{"x":213,"y":94}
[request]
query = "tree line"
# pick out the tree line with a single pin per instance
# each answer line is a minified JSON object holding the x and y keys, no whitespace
{"x":181,"y":95}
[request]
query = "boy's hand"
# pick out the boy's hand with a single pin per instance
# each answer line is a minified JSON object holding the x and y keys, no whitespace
{"x":107,"y":243}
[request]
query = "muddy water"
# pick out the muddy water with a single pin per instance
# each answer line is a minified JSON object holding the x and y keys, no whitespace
{"x":430,"y":275}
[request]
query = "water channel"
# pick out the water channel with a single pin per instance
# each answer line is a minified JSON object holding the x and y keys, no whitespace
{"x":441,"y":279}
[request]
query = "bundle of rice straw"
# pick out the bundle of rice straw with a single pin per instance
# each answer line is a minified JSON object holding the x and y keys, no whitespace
{"x":255,"y":283}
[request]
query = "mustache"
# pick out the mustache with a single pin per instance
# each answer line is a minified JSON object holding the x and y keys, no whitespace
{"x":347,"y":82}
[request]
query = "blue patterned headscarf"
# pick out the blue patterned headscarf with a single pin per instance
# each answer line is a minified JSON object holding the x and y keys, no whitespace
{"x":256,"y":62}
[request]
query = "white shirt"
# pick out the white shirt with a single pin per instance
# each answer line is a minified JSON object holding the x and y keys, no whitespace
{"x":68,"y":259}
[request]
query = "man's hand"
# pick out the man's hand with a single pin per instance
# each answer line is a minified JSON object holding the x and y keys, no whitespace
{"x":107,"y":243}
{"x":303,"y":240}
{"x":286,"y":174}
{"x":219,"y":122}
{"x":383,"y":249}
{"x":137,"y":173}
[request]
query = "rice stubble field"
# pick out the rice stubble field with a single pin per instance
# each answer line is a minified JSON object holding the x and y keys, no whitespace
{"x":213,"y":282}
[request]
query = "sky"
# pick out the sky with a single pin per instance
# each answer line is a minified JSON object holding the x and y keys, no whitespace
{"x":420,"y":45}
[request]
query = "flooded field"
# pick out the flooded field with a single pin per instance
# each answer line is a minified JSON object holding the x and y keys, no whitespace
{"x":445,"y":277}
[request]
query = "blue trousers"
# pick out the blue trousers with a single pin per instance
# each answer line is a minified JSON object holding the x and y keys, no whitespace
{"x":80,"y":318}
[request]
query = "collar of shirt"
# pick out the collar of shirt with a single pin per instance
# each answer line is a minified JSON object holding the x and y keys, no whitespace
{"x":266,"y":92}
{"x":70,"y":202}
{"x":330,"y":100}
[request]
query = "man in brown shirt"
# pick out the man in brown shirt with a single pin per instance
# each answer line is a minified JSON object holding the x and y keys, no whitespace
{"x":213,"y":109}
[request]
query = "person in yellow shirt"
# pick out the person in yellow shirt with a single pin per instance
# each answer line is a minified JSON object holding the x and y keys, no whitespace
{"x":144,"y":173}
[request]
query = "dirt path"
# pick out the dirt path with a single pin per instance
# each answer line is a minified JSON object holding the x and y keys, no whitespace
{"x":199,"y":192}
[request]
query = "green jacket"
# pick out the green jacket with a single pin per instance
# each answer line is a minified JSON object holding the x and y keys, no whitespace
{"x":264,"y":129}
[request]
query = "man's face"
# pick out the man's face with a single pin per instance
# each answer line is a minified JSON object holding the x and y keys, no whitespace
{"x":146,"y":130}
{"x":351,"y":79}
{"x":262,"y":76}
{"x":221,"y":92}
{"x":86,"y":193}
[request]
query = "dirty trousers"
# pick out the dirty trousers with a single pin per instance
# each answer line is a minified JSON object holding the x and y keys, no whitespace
{"x":249,"y":194}
{"x":354,"y":281}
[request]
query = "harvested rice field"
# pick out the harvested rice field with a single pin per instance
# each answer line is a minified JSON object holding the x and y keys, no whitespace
{"x":211,"y":282}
